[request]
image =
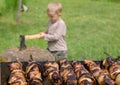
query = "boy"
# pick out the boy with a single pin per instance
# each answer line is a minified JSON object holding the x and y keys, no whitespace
{"x":55,"y":34}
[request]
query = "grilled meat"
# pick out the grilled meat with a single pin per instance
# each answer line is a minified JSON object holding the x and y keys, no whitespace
{"x":114,"y":70}
{"x":113,"y":67}
{"x":82,"y":75}
{"x":62,"y":61}
{"x":15,"y":65}
{"x":79,"y":69}
{"x":51,"y":64}
{"x":67,"y":73}
{"x":93,"y":67}
{"x":108,"y":62}
{"x":101,"y":75}
{"x":17,"y":76}
{"x":33,"y":73}
{"x":35,"y":81}
{"x":117,"y":79}
{"x":86,"y":79}
{"x":52,"y":72}
{"x":104,"y":79}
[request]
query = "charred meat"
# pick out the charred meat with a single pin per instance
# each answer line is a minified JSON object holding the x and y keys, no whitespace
{"x":82,"y":74}
{"x":17,"y":76}
{"x":33,"y":73}
{"x":67,"y":72}
{"x":52,"y":72}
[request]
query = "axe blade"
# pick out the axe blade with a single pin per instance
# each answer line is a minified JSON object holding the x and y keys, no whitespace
{"x":22,"y":42}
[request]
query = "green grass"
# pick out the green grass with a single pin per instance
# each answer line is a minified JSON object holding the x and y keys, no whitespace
{"x":92,"y":27}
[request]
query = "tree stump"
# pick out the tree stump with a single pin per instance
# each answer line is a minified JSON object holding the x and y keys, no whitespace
{"x":38,"y":54}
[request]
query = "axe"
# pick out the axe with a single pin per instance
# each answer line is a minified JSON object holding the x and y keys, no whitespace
{"x":27,"y":37}
{"x":22,"y":42}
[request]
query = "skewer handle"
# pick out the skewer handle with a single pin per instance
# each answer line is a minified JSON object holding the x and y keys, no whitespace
{"x":83,"y":57}
{"x":107,"y":54}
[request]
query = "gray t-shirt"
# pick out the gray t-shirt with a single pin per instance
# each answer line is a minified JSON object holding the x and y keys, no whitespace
{"x":55,"y":36}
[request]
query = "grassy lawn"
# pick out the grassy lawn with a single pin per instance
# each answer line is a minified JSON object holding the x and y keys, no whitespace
{"x":93,"y":27}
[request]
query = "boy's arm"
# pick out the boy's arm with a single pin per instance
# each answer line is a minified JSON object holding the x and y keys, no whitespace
{"x":60,"y":31}
{"x":35,"y":36}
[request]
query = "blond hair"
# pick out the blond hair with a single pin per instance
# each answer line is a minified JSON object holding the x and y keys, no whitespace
{"x":55,"y":7}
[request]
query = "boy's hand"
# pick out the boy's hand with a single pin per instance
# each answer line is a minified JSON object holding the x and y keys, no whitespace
{"x":42,"y":34}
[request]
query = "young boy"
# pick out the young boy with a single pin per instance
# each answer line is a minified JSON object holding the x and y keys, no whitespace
{"x":56,"y":32}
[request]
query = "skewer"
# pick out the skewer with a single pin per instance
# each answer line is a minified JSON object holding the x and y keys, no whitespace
{"x":107,"y":54}
{"x":31,"y":57}
{"x":83,"y":57}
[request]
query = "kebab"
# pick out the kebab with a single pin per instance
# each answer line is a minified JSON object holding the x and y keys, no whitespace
{"x":82,"y":74}
{"x":67,"y":73}
{"x":113,"y":67}
{"x":33,"y":73}
{"x":15,"y":65}
{"x":108,"y":61}
{"x":117,"y":79}
{"x":17,"y":76}
{"x":102,"y":76}
{"x":52,"y":72}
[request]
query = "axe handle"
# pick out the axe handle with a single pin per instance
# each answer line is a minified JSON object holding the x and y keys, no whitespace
{"x":30,"y":37}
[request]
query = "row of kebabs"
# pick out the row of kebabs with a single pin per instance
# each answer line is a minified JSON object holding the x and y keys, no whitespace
{"x":32,"y":75}
{"x":64,"y":72}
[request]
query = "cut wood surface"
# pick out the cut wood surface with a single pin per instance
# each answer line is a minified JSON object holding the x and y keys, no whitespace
{"x":24,"y":55}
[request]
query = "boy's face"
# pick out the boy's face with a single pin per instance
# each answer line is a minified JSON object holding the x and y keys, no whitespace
{"x":53,"y":16}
